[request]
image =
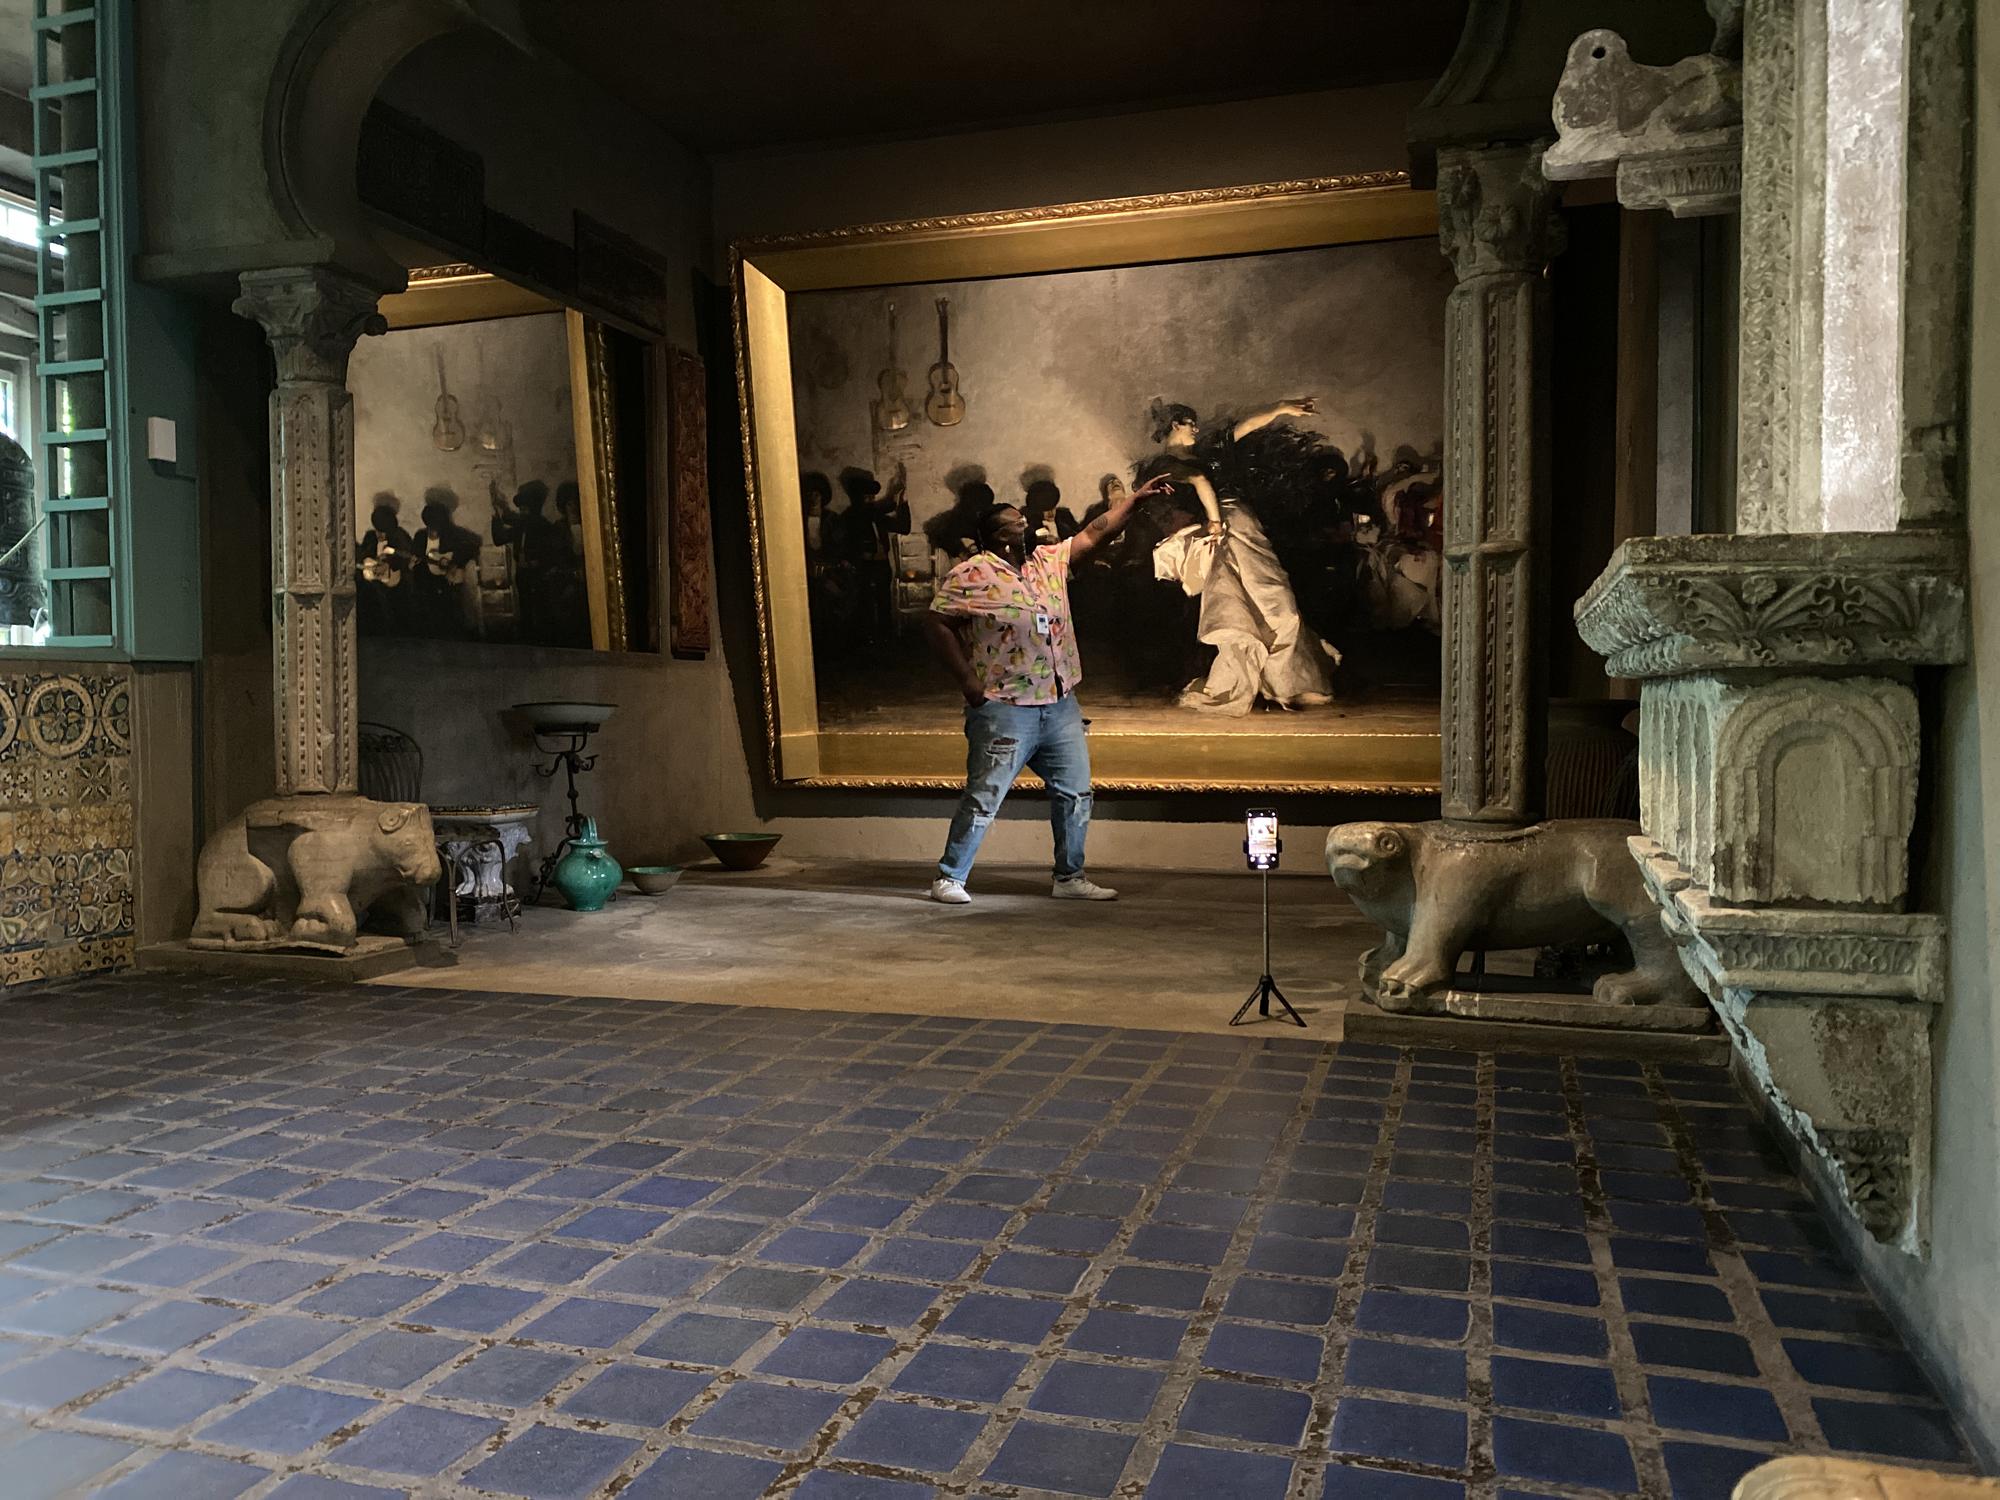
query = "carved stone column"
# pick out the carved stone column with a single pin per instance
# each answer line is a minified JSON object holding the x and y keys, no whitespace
{"x":312,"y":316}
{"x":1778,"y":786}
{"x":1498,"y":224}
{"x":303,"y":869}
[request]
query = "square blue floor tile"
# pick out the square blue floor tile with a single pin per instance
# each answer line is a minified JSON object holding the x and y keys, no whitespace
{"x":1248,"y":1413}
{"x":1155,"y":1286}
{"x":1922,"y":1433}
{"x":1693,"y":1348}
{"x":1249,"y":1350}
{"x":1269,"y":1301}
{"x":1130,"y":1335}
{"x":826,"y":1248}
{"x":1533,"y":1282}
{"x":924,"y":1260}
{"x":313,"y":1487}
{"x":1857,"y":1367}
{"x":553,"y":1462}
{"x":1308,"y":1222}
{"x":704,"y":1339}
{"x":1005,"y":1320}
{"x":167,"y":1400}
{"x":167,"y":1327}
{"x":68,"y":1311}
{"x":587,"y":1322}
{"x":368,"y":1294}
{"x":1289,"y":1257}
{"x":1069,"y":1460}
{"x":1563,"y":1455}
{"x":1405,"y":1367}
{"x":1677,"y":1257}
{"x":186,"y":1476}
{"x":772,"y":1289}
{"x":1565,"y":1389}
{"x":1699,"y":1470}
{"x":1218,"y":1474}
{"x":684,"y":1473}
{"x":652,"y":1277}
{"x":476,"y":1308}
{"x":550,"y":1265}
{"x":1107,"y":1393}
{"x":1071,"y":1232}
{"x":507,"y":1376}
{"x":900,"y":1435}
{"x":274,"y":1343}
{"x":1028,"y":1272}
{"x":876,"y":1304}
{"x":56,"y":1465}
{"x":390,"y":1360}
{"x":1549,"y":1332}
{"x":614,"y":1226}
{"x":1418,"y":1270}
{"x":416,"y":1440}
{"x":1413,"y":1314}
{"x":287,"y":1420}
{"x":60,"y":1377}
{"x":636,"y":1395}
{"x":1723,"y":1410}
{"x":771,"y":1416}
{"x":828,"y":1355}
{"x":983,"y":1375}
{"x":1400,"y":1430}
{"x":703,"y":1235}
{"x":1675,"y":1299}
{"x":1180,"y":1244}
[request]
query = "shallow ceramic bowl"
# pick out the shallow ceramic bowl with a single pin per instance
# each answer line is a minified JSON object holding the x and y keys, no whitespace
{"x":565,"y":715}
{"x":741,"y":851}
{"x":654,"y":880}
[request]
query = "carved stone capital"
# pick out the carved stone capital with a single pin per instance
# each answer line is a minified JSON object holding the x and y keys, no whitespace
{"x":1671,"y":605}
{"x":1496,"y":210}
{"x":1672,"y":136}
{"x":312,"y":316}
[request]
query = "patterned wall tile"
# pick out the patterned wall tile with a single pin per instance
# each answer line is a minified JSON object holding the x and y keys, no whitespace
{"x":66,"y":822}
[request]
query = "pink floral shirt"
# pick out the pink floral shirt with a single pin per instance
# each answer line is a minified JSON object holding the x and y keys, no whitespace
{"x":1015,"y":625}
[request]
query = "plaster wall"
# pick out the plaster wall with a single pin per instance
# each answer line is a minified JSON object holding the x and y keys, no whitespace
{"x":1946,"y":1301}
{"x":685,"y":753}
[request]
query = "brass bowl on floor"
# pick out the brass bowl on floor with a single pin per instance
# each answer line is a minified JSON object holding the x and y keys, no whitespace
{"x":654,"y":880}
{"x":741,"y":851}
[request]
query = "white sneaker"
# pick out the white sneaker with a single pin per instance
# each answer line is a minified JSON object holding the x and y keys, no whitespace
{"x":1081,"y":888}
{"x":950,"y":892}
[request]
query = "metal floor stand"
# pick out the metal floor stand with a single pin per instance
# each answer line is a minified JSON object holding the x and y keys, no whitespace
{"x":1267,"y":988}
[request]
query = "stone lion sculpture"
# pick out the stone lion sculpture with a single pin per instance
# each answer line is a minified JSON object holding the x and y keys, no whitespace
{"x":302,"y":871}
{"x":1438,"y":890}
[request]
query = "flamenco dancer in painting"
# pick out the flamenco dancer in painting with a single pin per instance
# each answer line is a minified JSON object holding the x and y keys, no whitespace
{"x":1263,"y":650}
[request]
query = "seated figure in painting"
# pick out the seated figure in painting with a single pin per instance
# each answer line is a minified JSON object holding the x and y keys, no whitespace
{"x":382,"y":559}
{"x":1264,"y":650}
{"x":1049,"y":521}
{"x":541,"y":554}
{"x":447,"y":574}
{"x":874,"y":519}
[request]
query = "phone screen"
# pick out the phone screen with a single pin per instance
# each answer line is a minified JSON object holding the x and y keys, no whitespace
{"x":1261,"y":847}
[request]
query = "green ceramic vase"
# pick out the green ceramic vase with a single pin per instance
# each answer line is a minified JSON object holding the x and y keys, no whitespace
{"x":587,"y":875}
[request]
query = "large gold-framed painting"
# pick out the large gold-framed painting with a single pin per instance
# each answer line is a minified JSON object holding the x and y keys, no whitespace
{"x":486,"y":493}
{"x":1272,"y":623}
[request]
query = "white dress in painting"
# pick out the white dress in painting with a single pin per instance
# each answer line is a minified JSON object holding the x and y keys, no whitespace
{"x":1248,"y":614}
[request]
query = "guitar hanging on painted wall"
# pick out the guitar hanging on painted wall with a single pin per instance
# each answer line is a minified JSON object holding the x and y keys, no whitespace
{"x":448,"y":431}
{"x":892,"y":411}
{"x":944,"y":406}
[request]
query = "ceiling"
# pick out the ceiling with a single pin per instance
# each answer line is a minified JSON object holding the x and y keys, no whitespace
{"x":734,"y":75}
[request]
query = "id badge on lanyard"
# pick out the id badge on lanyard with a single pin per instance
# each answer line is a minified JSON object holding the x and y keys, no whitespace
{"x":1044,"y":624}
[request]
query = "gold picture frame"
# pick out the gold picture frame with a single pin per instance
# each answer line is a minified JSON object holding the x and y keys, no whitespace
{"x":459,"y":293}
{"x":1190,"y":226}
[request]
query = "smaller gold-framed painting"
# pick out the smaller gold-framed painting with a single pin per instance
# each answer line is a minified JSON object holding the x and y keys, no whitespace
{"x":1276,"y":350}
{"x":485,"y":487}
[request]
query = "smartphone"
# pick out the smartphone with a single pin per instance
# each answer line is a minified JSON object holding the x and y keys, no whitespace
{"x":1261,"y":846}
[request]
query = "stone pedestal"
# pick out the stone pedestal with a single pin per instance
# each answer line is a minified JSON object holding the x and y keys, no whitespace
{"x":1778,"y":782}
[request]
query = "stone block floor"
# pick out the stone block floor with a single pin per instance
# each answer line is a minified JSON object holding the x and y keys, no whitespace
{"x":262,"y":1241}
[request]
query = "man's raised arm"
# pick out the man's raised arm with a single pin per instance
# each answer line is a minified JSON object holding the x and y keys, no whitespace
{"x":1113,"y":520}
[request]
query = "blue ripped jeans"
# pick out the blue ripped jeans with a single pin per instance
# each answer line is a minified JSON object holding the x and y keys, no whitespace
{"x":1000,"y":738}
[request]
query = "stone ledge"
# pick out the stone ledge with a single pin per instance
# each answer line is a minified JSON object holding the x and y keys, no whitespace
{"x":1667,"y":605}
{"x":1364,"y":1021}
{"x":1778,"y":950}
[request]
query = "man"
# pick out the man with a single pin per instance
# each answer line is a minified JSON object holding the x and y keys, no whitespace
{"x":1000,"y":624}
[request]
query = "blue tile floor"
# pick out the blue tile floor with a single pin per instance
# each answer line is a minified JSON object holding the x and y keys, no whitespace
{"x":347,"y":1245}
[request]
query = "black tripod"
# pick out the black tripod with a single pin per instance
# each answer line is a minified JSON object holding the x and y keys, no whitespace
{"x":569,"y":757}
{"x":1267,"y":988}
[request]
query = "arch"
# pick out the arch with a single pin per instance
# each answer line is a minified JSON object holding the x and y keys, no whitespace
{"x":334,"y":59}
{"x":1816,"y":793}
